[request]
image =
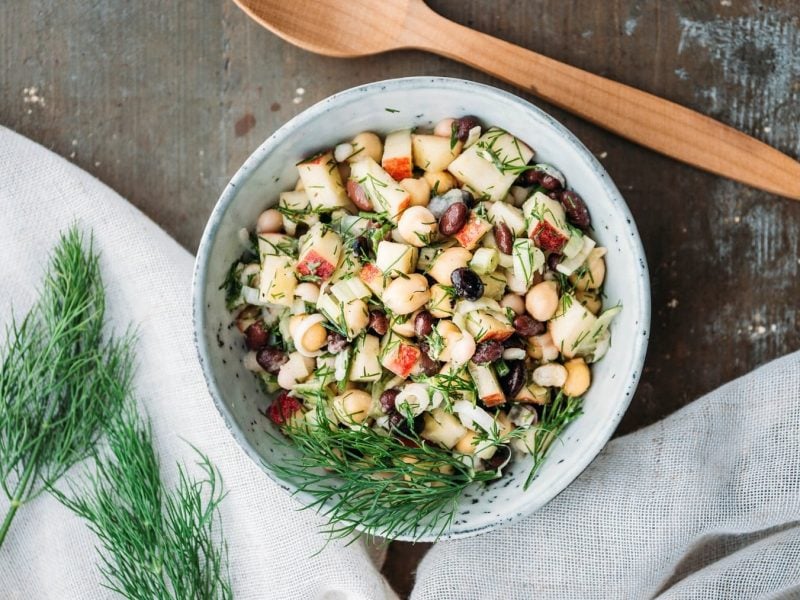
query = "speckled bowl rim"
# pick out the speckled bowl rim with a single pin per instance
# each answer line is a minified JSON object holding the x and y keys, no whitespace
{"x":461,"y":85}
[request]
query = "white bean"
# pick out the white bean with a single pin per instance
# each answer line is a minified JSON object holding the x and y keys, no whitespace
{"x":550,"y":375}
{"x":342,"y":152}
{"x":444,"y":128}
{"x":462,"y":349}
{"x":417,"y":226}
{"x":541,"y":301}
{"x":406,"y":294}
{"x":515,"y":302}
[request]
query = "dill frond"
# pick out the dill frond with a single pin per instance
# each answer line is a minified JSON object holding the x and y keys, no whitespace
{"x":157,"y":543}
{"x":61,"y":381}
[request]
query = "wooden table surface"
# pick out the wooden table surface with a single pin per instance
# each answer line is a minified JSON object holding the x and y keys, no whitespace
{"x":164,"y":100}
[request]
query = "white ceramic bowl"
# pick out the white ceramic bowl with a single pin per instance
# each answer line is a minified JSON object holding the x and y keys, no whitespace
{"x":396,"y":104}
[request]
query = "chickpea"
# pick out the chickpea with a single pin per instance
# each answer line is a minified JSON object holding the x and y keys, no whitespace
{"x":515,"y":302}
{"x":308,"y":291}
{"x":418,"y":189}
{"x":590,"y":299}
{"x":444,"y":128}
{"x":550,"y":375}
{"x":441,"y":181}
{"x":404,"y":295}
{"x":269,"y":221}
{"x":578,"y":377}
{"x":467,"y":444}
{"x":315,"y":338}
{"x":371,"y":144}
{"x":405,"y":328}
{"x":417,"y":226}
{"x":541,"y":301}
{"x":594,"y":274}
{"x":353,"y":406}
{"x":541,"y":347}
{"x":447,"y":262}
{"x":441,"y":303}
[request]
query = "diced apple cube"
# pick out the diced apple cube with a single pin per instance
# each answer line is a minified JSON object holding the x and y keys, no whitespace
{"x":433,"y":152}
{"x":393,"y":258}
{"x":485,"y":325}
{"x":278,"y":282}
{"x":366,"y":359}
{"x":320,"y":253}
{"x":570,"y":326}
{"x":373,"y":277}
{"x":473,"y":230}
{"x":489,"y":390}
{"x":503,"y":212}
{"x":396,"y":159}
{"x":442,"y":428}
{"x":296,"y":209}
{"x":399,"y":355}
{"x":490,"y":166}
{"x":547,"y":224}
{"x":322,"y":182}
{"x":385,"y":193}
{"x":350,"y":289}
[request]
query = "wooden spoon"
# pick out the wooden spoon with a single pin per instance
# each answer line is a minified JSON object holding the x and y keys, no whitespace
{"x":363,"y":27}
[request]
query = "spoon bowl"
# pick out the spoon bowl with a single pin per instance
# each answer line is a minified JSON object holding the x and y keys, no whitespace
{"x":365,"y":27}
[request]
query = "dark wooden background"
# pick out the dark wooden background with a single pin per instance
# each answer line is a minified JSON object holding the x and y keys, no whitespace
{"x":164,"y":100}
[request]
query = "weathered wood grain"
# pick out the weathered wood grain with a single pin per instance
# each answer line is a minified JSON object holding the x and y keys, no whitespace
{"x":163,"y":101}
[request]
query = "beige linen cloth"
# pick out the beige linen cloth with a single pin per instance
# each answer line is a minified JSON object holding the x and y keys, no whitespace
{"x":705,"y":504}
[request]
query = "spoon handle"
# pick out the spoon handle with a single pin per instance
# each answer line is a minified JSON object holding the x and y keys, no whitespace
{"x":643,"y":118}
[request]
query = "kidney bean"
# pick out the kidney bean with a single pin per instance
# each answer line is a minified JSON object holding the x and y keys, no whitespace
{"x":427,"y":365}
{"x":576,"y":209}
{"x":464,"y":125}
{"x":528,"y":326}
{"x":357,"y":193}
{"x":549,"y":182}
{"x":453,"y":219}
{"x":423,"y":324}
{"x":500,"y":459}
{"x":504,"y":238}
{"x":378,"y":322}
{"x":552,"y":260}
{"x":256,"y":336}
{"x":467,"y":284}
{"x":513,"y":381}
{"x":387,"y":400}
{"x":515,"y":341}
{"x":271,"y":358}
{"x":528,"y":178}
{"x":487,"y":352}
{"x":336,"y":342}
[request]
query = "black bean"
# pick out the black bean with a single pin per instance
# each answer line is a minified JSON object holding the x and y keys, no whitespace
{"x":513,"y":381}
{"x":467,"y":198}
{"x":552,"y":260}
{"x":453,"y":219}
{"x":423,"y":324}
{"x":576,"y":209}
{"x":504,"y":238}
{"x":256,"y":336}
{"x":464,"y":125}
{"x":336,"y":342}
{"x":515,"y":341}
{"x":387,"y":400}
{"x":378,"y":322}
{"x":271,"y":358}
{"x":467,"y":284}
{"x":528,"y":326}
{"x":487,"y":352}
{"x":361,"y":247}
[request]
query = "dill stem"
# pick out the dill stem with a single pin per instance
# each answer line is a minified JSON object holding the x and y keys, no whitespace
{"x":19,"y":494}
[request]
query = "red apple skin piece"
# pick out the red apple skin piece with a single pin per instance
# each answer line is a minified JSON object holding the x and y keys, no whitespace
{"x":494,"y":400}
{"x":547,"y":237}
{"x":406,"y":360}
{"x":398,"y":168}
{"x":356,"y":193}
{"x":471,"y":232}
{"x":369,"y":273}
{"x":323,"y":268}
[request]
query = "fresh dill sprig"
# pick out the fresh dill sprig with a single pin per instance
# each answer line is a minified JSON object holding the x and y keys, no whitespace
{"x":61,"y":381}
{"x":157,"y":543}
{"x":562,"y":411}
{"x":365,"y":482}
